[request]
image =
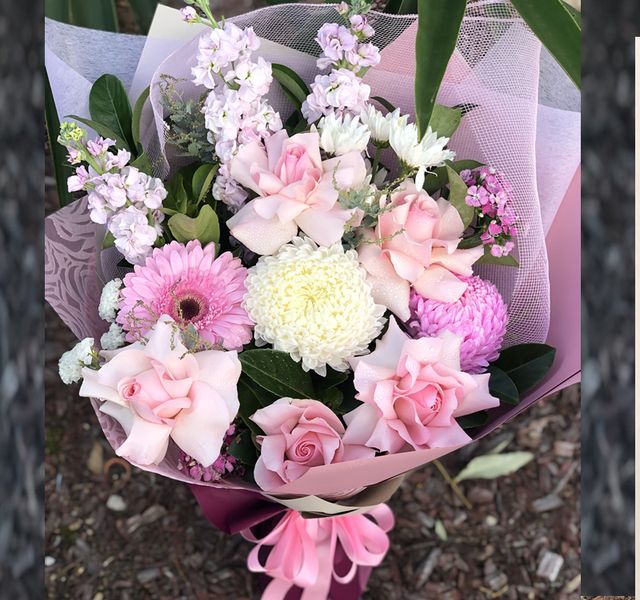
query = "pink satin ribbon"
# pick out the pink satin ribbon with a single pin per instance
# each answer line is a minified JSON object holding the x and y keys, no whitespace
{"x":303,"y":550}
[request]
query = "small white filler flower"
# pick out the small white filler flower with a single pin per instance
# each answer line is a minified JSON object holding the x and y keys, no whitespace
{"x":341,"y":135}
{"x":114,"y":338}
{"x":109,"y":300}
{"x":422,"y":155}
{"x":73,"y":361}
{"x":313,"y":303}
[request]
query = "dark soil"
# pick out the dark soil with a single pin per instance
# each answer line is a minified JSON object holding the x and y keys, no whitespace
{"x":159,"y":546}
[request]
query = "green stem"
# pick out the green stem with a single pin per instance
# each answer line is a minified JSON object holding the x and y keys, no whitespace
{"x":376,"y":161}
{"x":453,"y":485}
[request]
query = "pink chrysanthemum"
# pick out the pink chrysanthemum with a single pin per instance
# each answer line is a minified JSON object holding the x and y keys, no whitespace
{"x":479,"y":317}
{"x":191,"y":285}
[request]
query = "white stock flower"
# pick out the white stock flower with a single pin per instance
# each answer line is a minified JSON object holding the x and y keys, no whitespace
{"x":341,"y":91}
{"x":109,"y":299}
{"x":421,"y":155}
{"x":134,"y":237}
{"x":380,"y":125}
{"x":340,"y":135}
{"x":114,"y":338}
{"x":313,"y":303}
{"x":73,"y":361}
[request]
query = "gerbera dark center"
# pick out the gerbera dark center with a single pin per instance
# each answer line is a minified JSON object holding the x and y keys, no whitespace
{"x":189,"y":308}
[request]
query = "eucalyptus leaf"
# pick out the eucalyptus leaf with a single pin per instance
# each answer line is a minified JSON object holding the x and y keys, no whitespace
{"x":135,"y":119}
{"x":502,"y":386}
{"x":526,"y":364}
{"x":445,"y":120}
{"x":110,"y":106}
{"x":292,"y":84}
{"x":492,"y":466}
{"x":439,"y":24}
{"x":458,"y":193}
{"x":205,"y":227}
{"x":277,"y":373}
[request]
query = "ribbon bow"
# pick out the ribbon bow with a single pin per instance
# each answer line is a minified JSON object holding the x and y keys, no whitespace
{"x":303,"y":550}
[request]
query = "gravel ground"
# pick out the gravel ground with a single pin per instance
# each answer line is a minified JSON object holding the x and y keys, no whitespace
{"x":21,"y":312}
{"x":519,"y":523}
{"x":608,"y":407}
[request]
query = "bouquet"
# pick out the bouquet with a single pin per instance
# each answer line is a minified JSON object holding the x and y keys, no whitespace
{"x":289,"y":293}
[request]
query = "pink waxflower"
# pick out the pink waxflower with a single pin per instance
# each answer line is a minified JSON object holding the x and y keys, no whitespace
{"x":415,"y":244}
{"x":159,"y":391}
{"x":191,"y":285}
{"x":479,"y":317}
{"x":296,"y":189}
{"x":299,"y":434}
{"x":412,"y":392}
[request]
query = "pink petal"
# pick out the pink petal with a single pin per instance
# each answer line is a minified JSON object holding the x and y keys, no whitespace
{"x":262,"y":236}
{"x":221,"y":370}
{"x":478,"y":398}
{"x":459,"y":262}
{"x":199,"y":431}
{"x":388,"y":349}
{"x":392,"y":292}
{"x":324,"y":228}
{"x":249,"y":156}
{"x":438,"y":283}
{"x":267,"y":480}
{"x":361,"y":422}
{"x":349,"y":169}
{"x":450,"y":226}
{"x":147,"y":442}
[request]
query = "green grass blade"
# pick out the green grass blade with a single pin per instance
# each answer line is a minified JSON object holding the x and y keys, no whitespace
{"x":558,"y":28}
{"x":58,"y":10}
{"x":438,"y":27}
{"x":95,"y":14}
{"x":144,"y":11}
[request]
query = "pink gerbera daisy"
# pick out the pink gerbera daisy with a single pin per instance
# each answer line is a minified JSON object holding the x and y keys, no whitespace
{"x":191,"y":285}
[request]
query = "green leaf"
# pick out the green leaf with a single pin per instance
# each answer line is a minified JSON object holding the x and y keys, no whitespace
{"x":142,"y":163}
{"x":526,"y":364}
{"x":445,"y":120}
{"x":402,"y":7}
{"x":502,"y":386}
{"x":488,"y":259}
{"x":438,"y":178}
{"x":331,"y":397}
{"x":135,"y":119}
{"x":332,"y":379}
{"x":557,"y":27}
{"x":176,"y":194}
{"x":574,"y":12}
{"x":477,"y":419}
{"x":61,"y":169}
{"x":102,"y":130}
{"x":458,"y":193}
{"x":252,"y":398}
{"x":384,"y":102}
{"x":292,"y":84}
{"x":110,"y":106}
{"x":492,"y":466}
{"x":205,"y":227}
{"x":202,"y":180}
{"x":277,"y":373}
{"x":500,"y":446}
{"x":97,"y":14}
{"x":243,"y":449}
{"x":471,"y":242}
{"x":438,"y":27}
{"x":440,"y":530}
{"x":57,"y":10}
{"x":108,"y":241}
{"x":144,"y":10}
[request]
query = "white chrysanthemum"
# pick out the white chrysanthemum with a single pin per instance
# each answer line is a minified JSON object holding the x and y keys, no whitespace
{"x":109,"y":300}
{"x":73,"y":361}
{"x":340,"y":135}
{"x":114,"y":338}
{"x":429,"y":152}
{"x":380,"y":125}
{"x":313,"y":303}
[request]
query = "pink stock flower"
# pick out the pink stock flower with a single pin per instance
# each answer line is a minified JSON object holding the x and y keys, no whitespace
{"x":479,"y":317}
{"x":415,"y":244}
{"x":412,"y":392}
{"x":159,"y":391}
{"x":299,"y":434}
{"x":192,"y":286}
{"x":296,"y":189}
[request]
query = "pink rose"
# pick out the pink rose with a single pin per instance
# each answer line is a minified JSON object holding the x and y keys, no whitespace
{"x":412,"y":392}
{"x":159,"y":391}
{"x":296,"y":190}
{"x":299,"y":434}
{"x":415,"y":244}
